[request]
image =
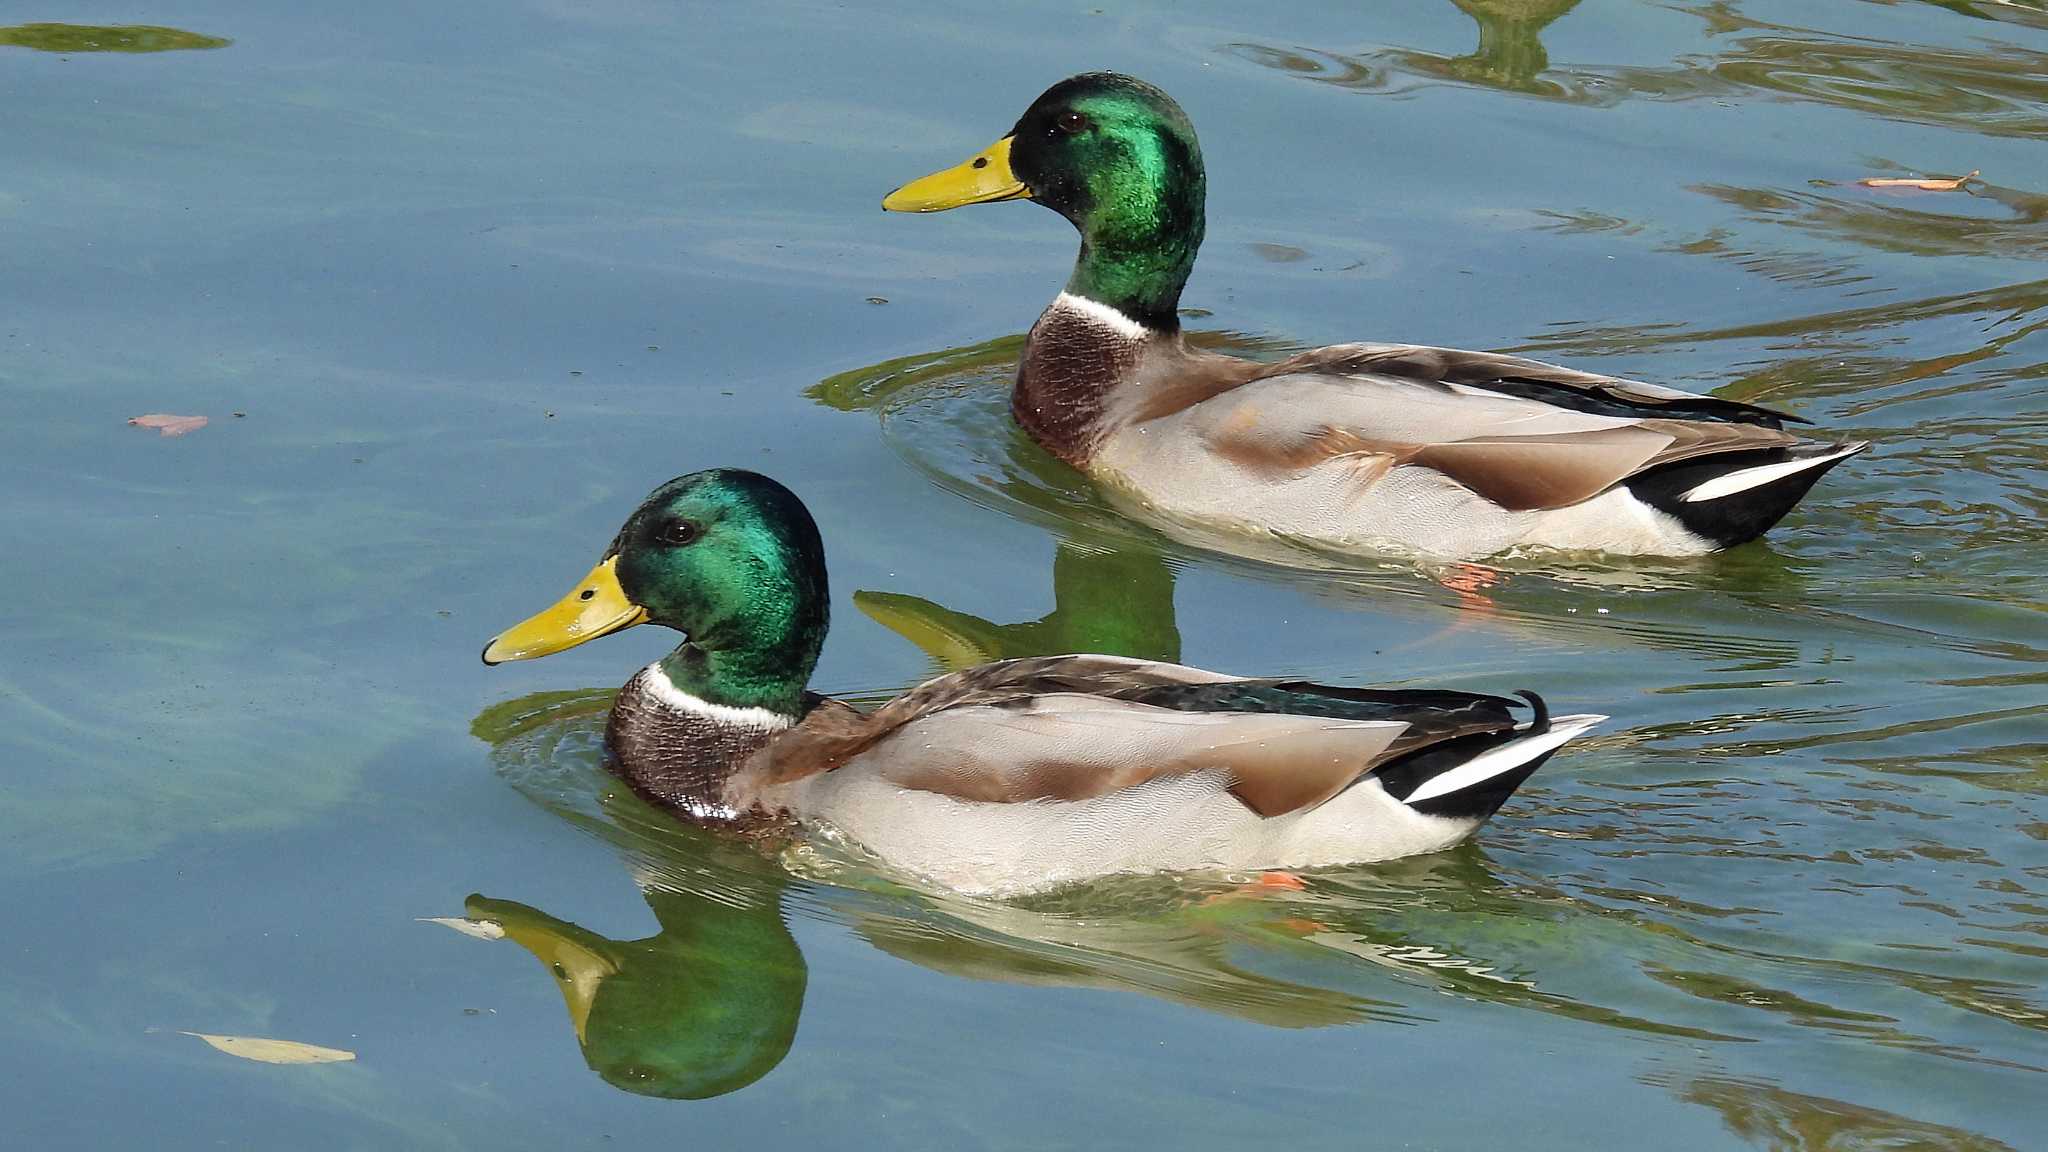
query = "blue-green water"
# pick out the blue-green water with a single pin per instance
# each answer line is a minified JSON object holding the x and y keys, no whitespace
{"x":457,"y":284}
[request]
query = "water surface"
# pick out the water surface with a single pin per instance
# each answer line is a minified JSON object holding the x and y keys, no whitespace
{"x":455,"y":287}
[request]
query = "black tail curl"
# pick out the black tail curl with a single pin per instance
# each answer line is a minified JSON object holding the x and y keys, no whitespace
{"x":1740,"y":516}
{"x":1475,"y":801}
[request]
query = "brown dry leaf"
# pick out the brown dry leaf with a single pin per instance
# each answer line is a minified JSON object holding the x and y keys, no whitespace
{"x":169,"y":425}
{"x":1924,"y":185}
{"x":274,"y":1051}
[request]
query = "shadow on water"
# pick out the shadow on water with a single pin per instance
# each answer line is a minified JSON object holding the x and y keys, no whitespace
{"x":1991,"y":88}
{"x":72,"y":38}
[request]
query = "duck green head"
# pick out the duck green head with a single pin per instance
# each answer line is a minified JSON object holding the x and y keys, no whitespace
{"x":729,"y":558}
{"x":1119,"y":159}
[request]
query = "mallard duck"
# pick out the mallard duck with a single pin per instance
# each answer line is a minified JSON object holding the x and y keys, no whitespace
{"x":1012,"y":776}
{"x":1353,"y":447}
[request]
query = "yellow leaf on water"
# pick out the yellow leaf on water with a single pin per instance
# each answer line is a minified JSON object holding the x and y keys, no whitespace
{"x":274,"y":1051}
{"x":1924,"y":185}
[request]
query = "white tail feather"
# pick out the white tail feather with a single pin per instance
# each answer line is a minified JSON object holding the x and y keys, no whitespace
{"x":1505,"y":758}
{"x":1743,"y":479}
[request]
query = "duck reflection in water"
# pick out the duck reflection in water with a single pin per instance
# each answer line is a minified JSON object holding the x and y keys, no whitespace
{"x":1118,"y":602}
{"x":705,"y":1006}
{"x":1510,"y":54}
{"x":1509,"y":57}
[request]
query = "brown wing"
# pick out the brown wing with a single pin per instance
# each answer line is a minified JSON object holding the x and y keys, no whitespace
{"x":1523,"y":473}
{"x":1068,"y":747}
{"x":1533,"y":379}
{"x":1075,"y":727}
{"x":1370,"y":408}
{"x":828,"y":738}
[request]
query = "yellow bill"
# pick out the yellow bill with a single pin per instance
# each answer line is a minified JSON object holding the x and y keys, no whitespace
{"x":983,"y":178}
{"x":597,"y":607}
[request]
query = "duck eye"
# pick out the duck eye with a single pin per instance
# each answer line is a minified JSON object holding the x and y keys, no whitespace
{"x":678,"y":532}
{"x":1071,"y":122}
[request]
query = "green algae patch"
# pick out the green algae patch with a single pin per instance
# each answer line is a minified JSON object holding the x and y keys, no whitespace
{"x":108,"y":38}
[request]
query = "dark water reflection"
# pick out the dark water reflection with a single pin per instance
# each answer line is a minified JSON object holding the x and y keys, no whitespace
{"x":1767,"y":1116}
{"x":1509,"y":56}
{"x":1989,"y":87}
{"x":1982,"y":220}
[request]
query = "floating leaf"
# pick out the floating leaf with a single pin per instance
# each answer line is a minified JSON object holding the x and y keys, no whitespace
{"x":481,"y":929}
{"x":1924,"y":185}
{"x":274,"y":1051}
{"x":169,"y":425}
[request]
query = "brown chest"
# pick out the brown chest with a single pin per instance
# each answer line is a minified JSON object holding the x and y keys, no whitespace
{"x":1071,"y":363}
{"x":677,"y":756}
{"x":1088,"y":371}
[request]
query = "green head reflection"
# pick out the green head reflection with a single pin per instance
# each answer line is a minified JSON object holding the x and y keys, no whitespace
{"x":1119,"y":602}
{"x":706,"y":1006}
{"x":1510,"y":53}
{"x":1509,"y":57}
